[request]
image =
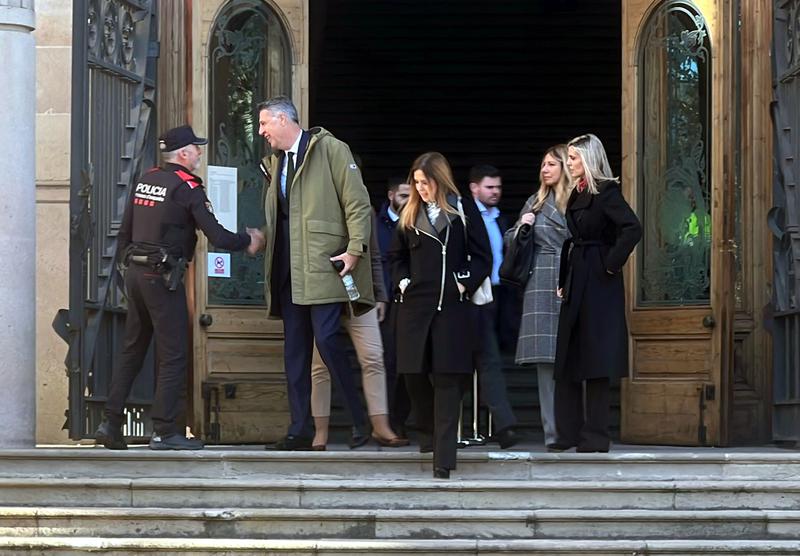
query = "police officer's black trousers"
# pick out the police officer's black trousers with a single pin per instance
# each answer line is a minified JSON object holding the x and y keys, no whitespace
{"x":153,"y":309}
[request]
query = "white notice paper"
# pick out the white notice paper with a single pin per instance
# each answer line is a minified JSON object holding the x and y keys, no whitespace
{"x":219,"y":265}
{"x":222,"y":194}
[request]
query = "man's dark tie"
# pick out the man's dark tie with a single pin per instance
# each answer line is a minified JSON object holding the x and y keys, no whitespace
{"x":289,"y":173}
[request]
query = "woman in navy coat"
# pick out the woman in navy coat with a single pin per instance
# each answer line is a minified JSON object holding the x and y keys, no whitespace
{"x":437,"y":264}
{"x":592,"y":345}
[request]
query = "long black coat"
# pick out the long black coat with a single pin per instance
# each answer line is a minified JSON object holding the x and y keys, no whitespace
{"x":432,"y":337}
{"x":592,"y":332}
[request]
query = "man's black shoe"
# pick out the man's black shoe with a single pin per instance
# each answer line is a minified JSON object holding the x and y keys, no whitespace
{"x":506,"y":438}
{"x":110,"y":436}
{"x":441,"y":473}
{"x":290,"y":443}
{"x":584,"y":449}
{"x":174,"y":441}
{"x":358,"y":437}
{"x":560,"y":446}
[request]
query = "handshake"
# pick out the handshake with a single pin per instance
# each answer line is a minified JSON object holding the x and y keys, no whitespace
{"x":257,"y":241}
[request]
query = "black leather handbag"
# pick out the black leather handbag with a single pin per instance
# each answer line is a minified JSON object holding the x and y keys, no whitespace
{"x":518,"y":260}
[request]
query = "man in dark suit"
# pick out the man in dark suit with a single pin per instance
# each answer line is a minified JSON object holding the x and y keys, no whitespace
{"x":486,"y":187}
{"x":397,"y":192}
{"x":317,"y":213}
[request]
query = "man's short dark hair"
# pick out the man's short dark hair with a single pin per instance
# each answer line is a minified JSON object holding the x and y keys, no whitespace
{"x":480,"y":171}
{"x":394,"y":182}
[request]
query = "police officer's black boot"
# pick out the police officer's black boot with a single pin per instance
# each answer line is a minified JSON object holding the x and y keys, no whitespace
{"x":110,"y":436}
{"x":174,"y":441}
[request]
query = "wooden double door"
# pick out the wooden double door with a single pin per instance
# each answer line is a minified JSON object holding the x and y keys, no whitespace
{"x":696,"y":147}
{"x":696,"y":152}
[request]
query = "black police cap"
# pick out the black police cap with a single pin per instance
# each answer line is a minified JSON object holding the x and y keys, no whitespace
{"x":178,"y":137}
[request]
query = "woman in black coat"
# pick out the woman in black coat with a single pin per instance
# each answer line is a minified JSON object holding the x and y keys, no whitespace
{"x":437,"y":264}
{"x":592,"y":345}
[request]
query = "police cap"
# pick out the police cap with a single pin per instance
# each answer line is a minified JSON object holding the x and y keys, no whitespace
{"x":178,"y":137}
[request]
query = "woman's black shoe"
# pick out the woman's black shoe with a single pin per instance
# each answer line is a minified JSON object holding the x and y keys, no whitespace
{"x":507,"y":438}
{"x":441,"y":473}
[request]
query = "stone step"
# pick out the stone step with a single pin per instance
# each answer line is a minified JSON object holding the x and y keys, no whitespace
{"x":700,"y":464}
{"x":454,"y":547}
{"x":373,"y":493}
{"x":398,"y":524}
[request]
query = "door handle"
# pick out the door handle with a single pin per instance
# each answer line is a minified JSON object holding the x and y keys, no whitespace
{"x":206,"y":320}
{"x":708,"y":321}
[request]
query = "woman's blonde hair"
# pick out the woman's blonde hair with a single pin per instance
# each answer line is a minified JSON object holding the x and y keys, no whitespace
{"x":595,"y":162}
{"x":436,"y":168}
{"x":559,"y":152}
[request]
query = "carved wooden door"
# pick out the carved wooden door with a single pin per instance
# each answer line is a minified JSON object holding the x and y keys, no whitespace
{"x":677,"y":173}
{"x":239,"y":383}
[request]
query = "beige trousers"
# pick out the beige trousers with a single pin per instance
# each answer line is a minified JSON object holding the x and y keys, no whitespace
{"x":365,"y":334}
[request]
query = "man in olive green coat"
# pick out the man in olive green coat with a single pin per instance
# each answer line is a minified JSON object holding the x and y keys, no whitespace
{"x":317,"y":213}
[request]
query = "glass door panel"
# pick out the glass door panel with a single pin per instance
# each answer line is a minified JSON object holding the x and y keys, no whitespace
{"x":249,"y":62}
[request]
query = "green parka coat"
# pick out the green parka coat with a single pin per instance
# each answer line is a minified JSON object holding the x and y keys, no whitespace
{"x":329,"y":211}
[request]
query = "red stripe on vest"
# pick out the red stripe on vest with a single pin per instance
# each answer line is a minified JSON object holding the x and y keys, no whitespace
{"x":188,"y":178}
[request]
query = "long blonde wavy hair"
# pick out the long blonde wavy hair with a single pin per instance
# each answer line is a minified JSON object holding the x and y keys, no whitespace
{"x":436,"y":168}
{"x":595,"y":162}
{"x":561,"y":189}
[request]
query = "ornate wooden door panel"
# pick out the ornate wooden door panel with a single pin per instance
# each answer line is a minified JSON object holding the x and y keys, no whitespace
{"x":676,"y":173}
{"x":239,"y":382}
{"x":750,"y":385}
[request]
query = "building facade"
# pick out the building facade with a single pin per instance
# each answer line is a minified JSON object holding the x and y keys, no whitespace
{"x":680,"y":93}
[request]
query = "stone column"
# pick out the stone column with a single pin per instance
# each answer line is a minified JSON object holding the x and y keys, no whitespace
{"x":17,"y":225}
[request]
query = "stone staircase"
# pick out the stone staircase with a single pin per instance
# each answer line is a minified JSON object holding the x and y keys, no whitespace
{"x":248,"y":501}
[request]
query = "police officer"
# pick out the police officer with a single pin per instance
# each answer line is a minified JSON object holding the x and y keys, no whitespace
{"x":156,"y":240}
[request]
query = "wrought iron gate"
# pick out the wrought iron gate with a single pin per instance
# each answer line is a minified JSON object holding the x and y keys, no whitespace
{"x":784,"y":221}
{"x":114,"y":57}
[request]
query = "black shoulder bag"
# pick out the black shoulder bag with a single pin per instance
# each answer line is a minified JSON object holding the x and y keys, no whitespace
{"x":518,"y":260}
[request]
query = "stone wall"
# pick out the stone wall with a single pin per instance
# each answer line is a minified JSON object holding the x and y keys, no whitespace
{"x":53,"y":37}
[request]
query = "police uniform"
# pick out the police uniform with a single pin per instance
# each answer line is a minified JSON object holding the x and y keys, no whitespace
{"x":156,"y":239}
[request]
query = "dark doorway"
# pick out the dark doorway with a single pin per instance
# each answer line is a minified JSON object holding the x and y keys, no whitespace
{"x":481,"y":82}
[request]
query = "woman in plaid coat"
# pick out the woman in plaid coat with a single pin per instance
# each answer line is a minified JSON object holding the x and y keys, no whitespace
{"x":538,"y":330}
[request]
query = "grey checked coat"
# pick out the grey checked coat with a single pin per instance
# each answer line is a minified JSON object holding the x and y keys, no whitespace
{"x":540,"y":309}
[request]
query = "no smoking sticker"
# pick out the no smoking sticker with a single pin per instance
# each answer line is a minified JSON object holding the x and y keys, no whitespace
{"x":219,"y":265}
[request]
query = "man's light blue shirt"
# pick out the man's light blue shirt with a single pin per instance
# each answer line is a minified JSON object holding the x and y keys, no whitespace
{"x":490,"y":215}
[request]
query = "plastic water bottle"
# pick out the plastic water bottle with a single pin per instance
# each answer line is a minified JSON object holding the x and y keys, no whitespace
{"x":347,"y":280}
